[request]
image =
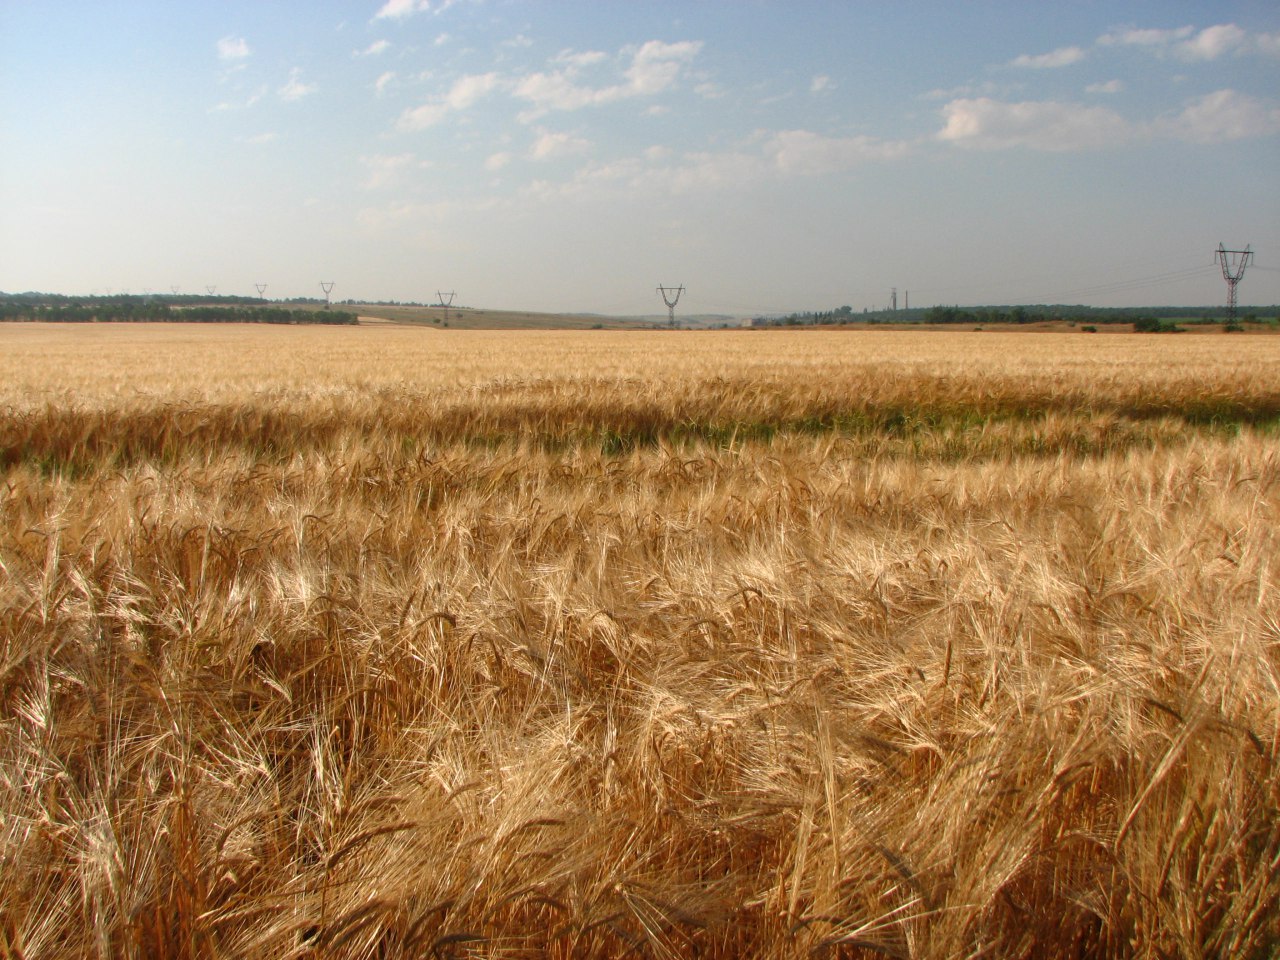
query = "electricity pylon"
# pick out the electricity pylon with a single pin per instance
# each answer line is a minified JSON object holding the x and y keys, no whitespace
{"x":671,"y":296}
{"x":327,"y":287}
{"x":262,"y":290}
{"x":442,"y":303}
{"x":1233,"y":263}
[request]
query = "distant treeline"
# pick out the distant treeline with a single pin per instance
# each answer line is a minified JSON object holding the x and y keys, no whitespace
{"x":55,"y":309}
{"x":1017,"y":315}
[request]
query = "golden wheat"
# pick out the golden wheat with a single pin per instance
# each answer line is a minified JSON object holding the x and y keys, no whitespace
{"x":375,"y":642}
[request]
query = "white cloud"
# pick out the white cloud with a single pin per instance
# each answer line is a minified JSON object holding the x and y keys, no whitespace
{"x":1048,"y":125}
{"x":1110,"y":86}
{"x":463,"y":94}
{"x":441,"y":39}
{"x":232,"y":48}
{"x":656,"y":65}
{"x":418,"y":215}
{"x":295,"y":89}
{"x":263,"y":137}
{"x":585,"y":58}
{"x":399,"y":9}
{"x":518,"y":41}
{"x":380,"y":85}
{"x":467,"y":90}
{"x":383,"y":170}
{"x":1220,"y":116}
{"x":552,"y":145}
{"x":249,"y":101}
{"x":557,"y":90}
{"x":655,"y":68}
{"x":985,"y":89}
{"x":497,"y":161}
{"x":819,"y":83}
{"x":1062,"y":57}
{"x":801,"y":152}
{"x":1134,"y":37}
{"x":773,"y":156}
{"x":373,"y":49}
{"x":1187,"y":43}
{"x":419,"y":118}
{"x":1212,"y":42}
{"x":1039,"y":125}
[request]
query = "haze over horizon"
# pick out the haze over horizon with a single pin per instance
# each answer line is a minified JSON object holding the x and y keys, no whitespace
{"x":571,"y":157}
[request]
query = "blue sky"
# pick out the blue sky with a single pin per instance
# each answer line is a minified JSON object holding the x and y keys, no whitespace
{"x":573,"y":155}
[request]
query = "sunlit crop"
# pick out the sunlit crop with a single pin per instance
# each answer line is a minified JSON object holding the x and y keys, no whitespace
{"x":386,"y":642}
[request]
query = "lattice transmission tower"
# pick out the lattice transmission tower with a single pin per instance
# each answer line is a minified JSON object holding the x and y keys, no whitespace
{"x":1233,"y":263}
{"x":441,"y":302}
{"x":671,"y":296}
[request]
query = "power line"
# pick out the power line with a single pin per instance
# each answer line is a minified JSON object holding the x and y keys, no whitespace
{"x":1177,"y":275}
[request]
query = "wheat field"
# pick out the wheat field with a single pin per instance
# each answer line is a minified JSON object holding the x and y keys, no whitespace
{"x":380,"y":642}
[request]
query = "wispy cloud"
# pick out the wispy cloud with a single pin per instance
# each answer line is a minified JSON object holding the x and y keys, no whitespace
{"x":497,"y":161}
{"x":820,"y":83}
{"x":550,"y":146}
{"x":384,"y":79}
{"x":802,"y":152}
{"x":1212,"y":42}
{"x":780,"y":155}
{"x":294,"y":88}
{"x":233,"y":48}
{"x":1050,"y":125}
{"x":1220,"y":116}
{"x":249,"y":101}
{"x":654,"y":68}
{"x":1135,"y":37}
{"x":373,"y":49}
{"x":464,"y":93}
{"x":1056,"y":126}
{"x":400,"y":9}
{"x":1062,"y":57}
{"x":383,"y":170}
{"x":1188,"y":43}
{"x":987,"y":88}
{"x":1110,"y":86}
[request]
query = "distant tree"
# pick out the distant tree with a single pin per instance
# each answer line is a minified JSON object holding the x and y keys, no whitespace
{"x":1154,"y":325}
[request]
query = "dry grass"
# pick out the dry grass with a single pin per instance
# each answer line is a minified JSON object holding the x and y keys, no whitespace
{"x":383,"y":642}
